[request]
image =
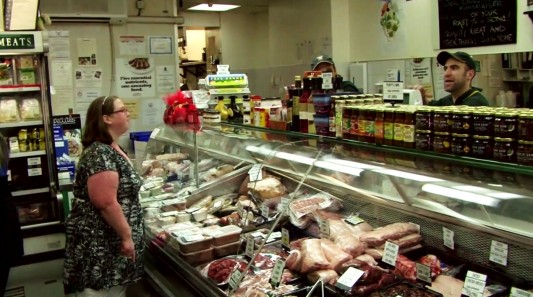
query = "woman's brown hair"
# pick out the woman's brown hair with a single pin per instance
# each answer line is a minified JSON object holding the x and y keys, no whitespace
{"x":95,"y":129}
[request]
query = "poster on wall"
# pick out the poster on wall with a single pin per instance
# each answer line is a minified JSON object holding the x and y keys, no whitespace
{"x":132,"y":45}
{"x":86,"y":54}
{"x":152,"y":112}
{"x":420,"y":73}
{"x":88,"y":78}
{"x":161,"y":45}
{"x":166,"y":79}
{"x":391,"y":18}
{"x":59,"y":44}
{"x":135,"y":77}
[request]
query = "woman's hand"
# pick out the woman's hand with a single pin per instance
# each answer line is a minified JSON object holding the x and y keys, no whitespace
{"x":127,"y":248}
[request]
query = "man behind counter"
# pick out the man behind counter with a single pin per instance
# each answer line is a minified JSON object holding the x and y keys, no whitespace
{"x":459,"y":71}
{"x":325,"y":63}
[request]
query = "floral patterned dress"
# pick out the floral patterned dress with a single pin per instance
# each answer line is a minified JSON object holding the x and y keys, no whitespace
{"x":92,"y":251}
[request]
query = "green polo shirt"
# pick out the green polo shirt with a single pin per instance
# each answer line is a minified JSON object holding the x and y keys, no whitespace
{"x":472,"y":97}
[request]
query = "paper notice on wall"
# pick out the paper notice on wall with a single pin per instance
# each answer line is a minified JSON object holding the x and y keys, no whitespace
{"x":87,"y":52}
{"x":61,"y":73}
{"x":88,"y":78}
{"x":59,"y":44}
{"x":152,"y":112}
{"x":165,"y":79}
{"x":133,"y":107}
{"x":62,"y":101}
{"x":132,"y":45}
{"x":135,"y":77}
{"x":161,"y":45}
{"x":87,"y":95}
{"x":420,"y":73}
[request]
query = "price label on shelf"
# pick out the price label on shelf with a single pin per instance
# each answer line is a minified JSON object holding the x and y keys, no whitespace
{"x":265,"y":210}
{"x":447,"y":236}
{"x":255,"y":172}
{"x":499,"y":252}
{"x":474,"y":284}
{"x":516,"y":292}
{"x":277,"y":272}
{"x":250,"y":244}
{"x":285,"y":240}
{"x":235,"y":279}
{"x":35,"y":171}
{"x":423,"y":273}
{"x":34,"y":161}
{"x":349,"y":278}
{"x":390,"y":253}
{"x":324,"y":229}
{"x":354,"y":219}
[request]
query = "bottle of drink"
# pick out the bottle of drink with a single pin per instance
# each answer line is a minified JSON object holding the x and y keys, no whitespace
{"x":296,"y":94}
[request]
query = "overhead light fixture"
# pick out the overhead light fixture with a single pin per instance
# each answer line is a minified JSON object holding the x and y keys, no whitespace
{"x":213,"y":7}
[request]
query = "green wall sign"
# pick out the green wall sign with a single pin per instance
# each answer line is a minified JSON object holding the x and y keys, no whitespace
{"x":17,"y":41}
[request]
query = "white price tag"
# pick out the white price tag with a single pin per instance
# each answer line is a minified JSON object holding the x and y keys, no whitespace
{"x":327,"y":86}
{"x":285,"y":240}
{"x":390,"y":253}
{"x":326,"y":80}
{"x":9,"y":175}
{"x":516,"y":292}
{"x":499,"y":252}
{"x":255,"y":172}
{"x":240,"y":210}
{"x":250,"y":244}
{"x":447,"y":236}
{"x":265,"y":210}
{"x":324,"y":229}
{"x":354,"y":220}
{"x":277,"y":272}
{"x":283,"y":205}
{"x":349,"y":278}
{"x":235,"y":279}
{"x":35,"y":171}
{"x":34,"y":161}
{"x":393,"y":90}
{"x":423,"y":272}
{"x":474,"y":284}
{"x":154,"y":133}
{"x":477,"y":276}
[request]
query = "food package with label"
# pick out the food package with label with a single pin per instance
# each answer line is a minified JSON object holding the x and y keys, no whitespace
{"x":6,"y":72}
{"x":9,"y":111}
{"x":26,"y":70}
{"x":30,"y":110}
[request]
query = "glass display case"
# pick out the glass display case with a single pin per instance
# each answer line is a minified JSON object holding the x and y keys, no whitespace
{"x":481,"y":201}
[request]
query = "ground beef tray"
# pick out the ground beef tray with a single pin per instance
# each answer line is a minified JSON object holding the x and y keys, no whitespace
{"x":405,"y":290}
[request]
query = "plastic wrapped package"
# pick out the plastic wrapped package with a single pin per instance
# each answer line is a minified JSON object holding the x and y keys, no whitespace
{"x":9,"y":111}
{"x":30,"y":110}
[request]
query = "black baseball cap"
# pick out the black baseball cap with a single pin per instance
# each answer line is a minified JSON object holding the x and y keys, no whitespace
{"x":321,"y":59}
{"x":442,"y":57}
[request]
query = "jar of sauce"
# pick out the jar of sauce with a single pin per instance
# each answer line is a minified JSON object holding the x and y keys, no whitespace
{"x":461,"y":144}
{"x":524,"y":154}
{"x":361,"y":124}
{"x":462,"y":121}
{"x":525,"y":126}
{"x":409,"y":129}
{"x":368,"y":101}
{"x":504,"y":150}
{"x":424,"y":119}
{"x":442,"y":120}
{"x":346,"y":122}
{"x":388,"y":127}
{"x":441,"y":142}
{"x":483,"y":123}
{"x":424,"y":140}
{"x":506,"y":125}
{"x":379,"y":125}
{"x":482,"y":147}
{"x":399,"y":117}
{"x":354,"y":123}
{"x":370,"y":123}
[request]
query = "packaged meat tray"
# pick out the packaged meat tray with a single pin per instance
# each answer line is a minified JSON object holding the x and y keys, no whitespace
{"x":194,"y":242}
{"x":405,"y":289}
{"x":302,"y":292}
{"x":227,"y":249}
{"x":226,"y":235}
{"x":199,"y":257}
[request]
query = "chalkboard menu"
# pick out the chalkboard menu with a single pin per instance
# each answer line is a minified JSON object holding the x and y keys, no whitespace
{"x":469,"y":23}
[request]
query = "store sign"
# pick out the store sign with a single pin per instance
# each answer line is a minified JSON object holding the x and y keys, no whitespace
{"x":19,"y":41}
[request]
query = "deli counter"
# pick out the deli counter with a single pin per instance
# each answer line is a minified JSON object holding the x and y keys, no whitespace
{"x":239,"y":197}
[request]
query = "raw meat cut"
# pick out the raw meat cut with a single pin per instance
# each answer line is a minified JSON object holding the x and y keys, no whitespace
{"x":334,"y":254}
{"x":267,"y":188}
{"x":378,"y":236}
{"x":350,"y":244}
{"x":407,"y":241}
{"x":448,"y":286}
{"x":328,"y":276}
{"x":313,"y":256}
{"x":405,"y":268}
{"x":367,"y":259}
{"x":433,"y":262}
{"x":294,"y":261}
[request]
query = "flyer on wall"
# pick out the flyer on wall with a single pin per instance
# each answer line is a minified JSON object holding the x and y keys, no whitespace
{"x":67,"y":142}
{"x":135,"y":77}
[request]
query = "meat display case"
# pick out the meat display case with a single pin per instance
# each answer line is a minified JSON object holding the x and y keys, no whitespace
{"x":478,"y":201}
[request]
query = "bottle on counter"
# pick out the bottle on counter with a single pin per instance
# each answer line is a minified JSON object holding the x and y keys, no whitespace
{"x":399,"y":117}
{"x":296,"y":94}
{"x":409,"y":129}
{"x":332,"y":117}
{"x":388,"y":127}
{"x":304,"y":102}
{"x":379,"y":122}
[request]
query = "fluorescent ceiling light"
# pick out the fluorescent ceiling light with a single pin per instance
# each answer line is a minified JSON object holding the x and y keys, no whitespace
{"x":407,"y":175}
{"x":214,"y":7}
{"x":460,"y":195}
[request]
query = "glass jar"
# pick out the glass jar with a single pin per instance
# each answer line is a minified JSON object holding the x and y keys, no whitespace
{"x":506,"y":125}
{"x":442,"y":120}
{"x":504,"y":150}
{"x":346,"y":121}
{"x":399,"y":117}
{"x":424,"y":140}
{"x":461,"y":144}
{"x":525,"y":126}
{"x":368,"y":101}
{"x":409,"y":129}
{"x":388,"y":127}
{"x":370,"y":123}
{"x":482,"y":147}
{"x":379,"y":125}
{"x":524,"y":153}
{"x":361,"y":124}
{"x":483,"y":123}
{"x":354,"y":123}
{"x":441,"y":142}
{"x":462,"y":121}
{"x":424,"y":119}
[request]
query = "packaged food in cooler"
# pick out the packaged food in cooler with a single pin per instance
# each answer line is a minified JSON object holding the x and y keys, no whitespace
{"x":228,"y":249}
{"x":182,"y":216}
{"x":174,"y":204}
{"x":194,"y":242}
{"x":199,"y":256}
{"x":30,"y":110}
{"x":220,"y":270}
{"x":226,"y":234}
{"x":6,"y":72}
{"x":9,"y":111}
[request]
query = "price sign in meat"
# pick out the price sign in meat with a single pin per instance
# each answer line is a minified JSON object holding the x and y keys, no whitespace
{"x":499,"y":252}
{"x":235,"y":280}
{"x":390,"y":253}
{"x":240,"y":210}
{"x":255,"y":172}
{"x":516,"y":292}
{"x":277,"y":272}
{"x":285,"y":240}
{"x":423,"y":273}
{"x":265,"y":210}
{"x":474,"y":284}
{"x":250,"y":244}
{"x":393,"y":91}
{"x":349,"y":278}
{"x":324,"y":229}
{"x":447,"y":236}
{"x":283,"y":205}
{"x":354,"y":220}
